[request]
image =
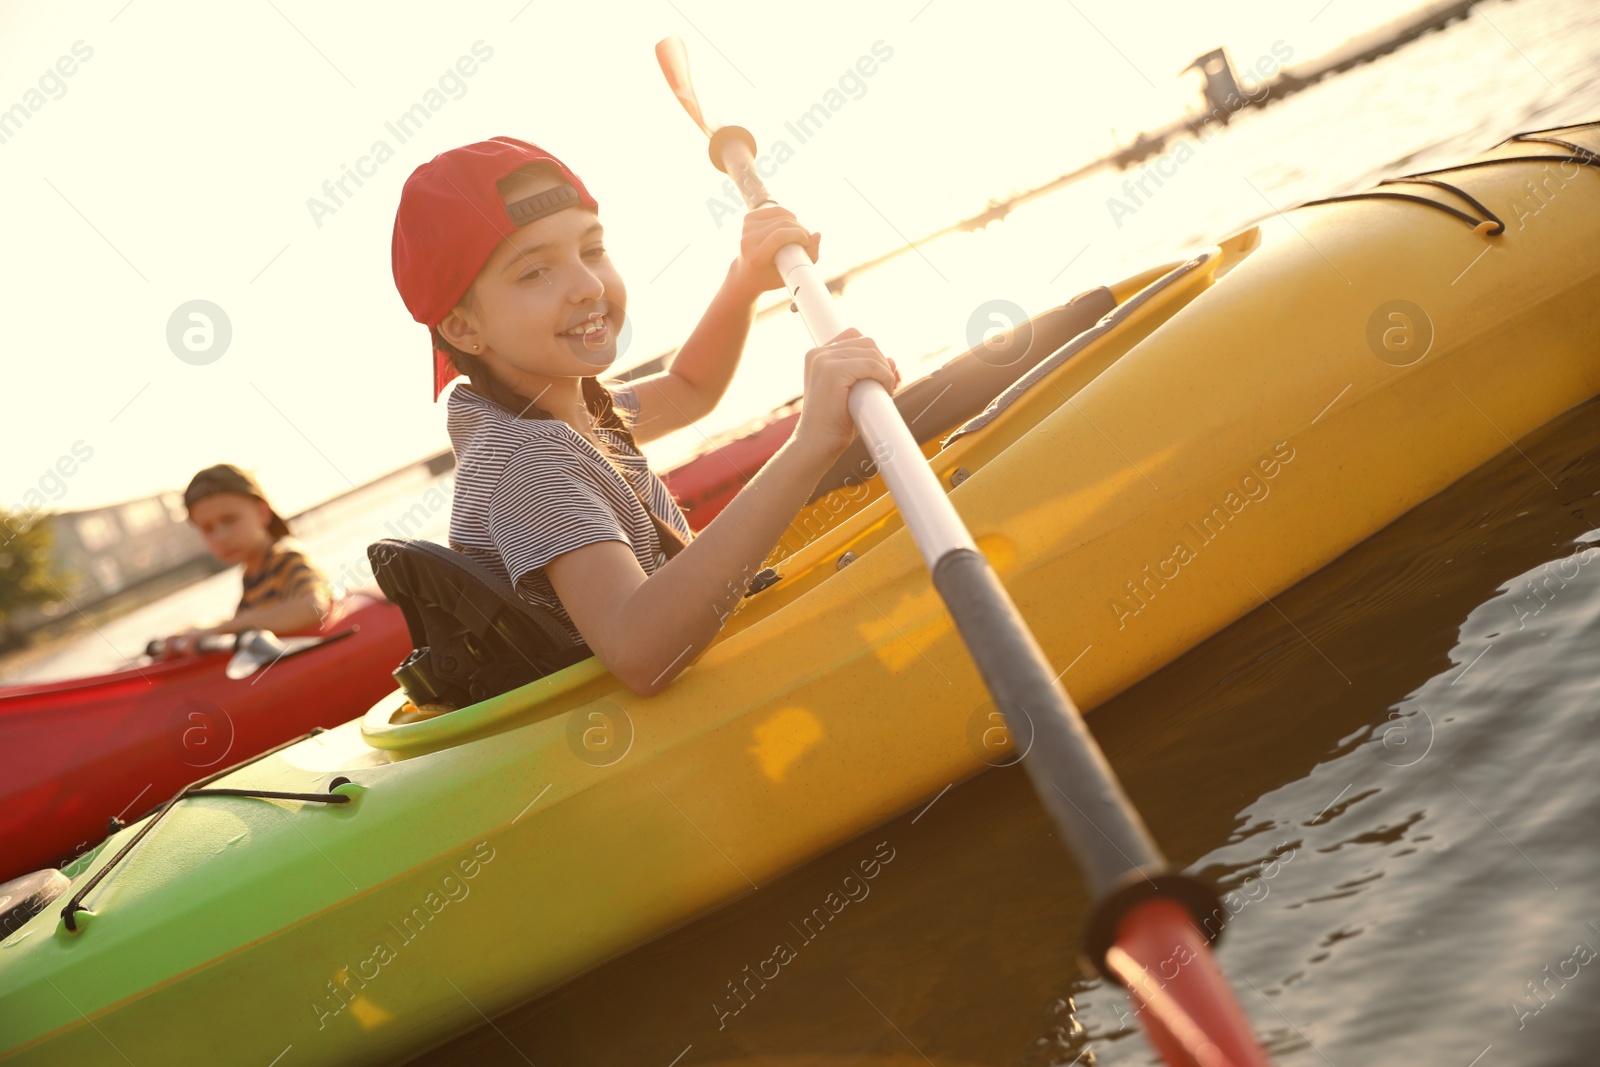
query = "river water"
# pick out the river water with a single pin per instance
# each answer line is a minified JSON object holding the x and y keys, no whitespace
{"x":1391,"y":785}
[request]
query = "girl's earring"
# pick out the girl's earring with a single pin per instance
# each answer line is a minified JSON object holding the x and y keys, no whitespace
{"x":474,"y":348}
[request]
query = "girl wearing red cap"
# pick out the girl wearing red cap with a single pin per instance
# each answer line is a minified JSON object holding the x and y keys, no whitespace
{"x":499,"y":250}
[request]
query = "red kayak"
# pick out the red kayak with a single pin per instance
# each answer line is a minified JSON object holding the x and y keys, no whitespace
{"x":704,"y":483}
{"x":76,"y":754}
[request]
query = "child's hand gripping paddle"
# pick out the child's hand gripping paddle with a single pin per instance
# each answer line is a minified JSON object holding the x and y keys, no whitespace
{"x":1147,"y":917}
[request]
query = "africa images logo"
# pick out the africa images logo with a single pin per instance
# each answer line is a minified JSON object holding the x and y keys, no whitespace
{"x":405,"y":126}
{"x":1254,"y":486}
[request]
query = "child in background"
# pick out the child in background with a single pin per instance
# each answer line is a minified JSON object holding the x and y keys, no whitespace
{"x":499,"y":251}
{"x":283,"y":591}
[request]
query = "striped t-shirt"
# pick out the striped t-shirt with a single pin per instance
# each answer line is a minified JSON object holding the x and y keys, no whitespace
{"x":529,"y":490}
{"x":284,"y":572}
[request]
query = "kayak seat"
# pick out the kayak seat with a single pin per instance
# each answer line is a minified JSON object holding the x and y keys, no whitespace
{"x":472,"y":636}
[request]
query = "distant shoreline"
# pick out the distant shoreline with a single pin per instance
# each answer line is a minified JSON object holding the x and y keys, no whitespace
{"x":44,"y":641}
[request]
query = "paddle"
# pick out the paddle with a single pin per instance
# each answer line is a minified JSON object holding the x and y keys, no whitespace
{"x":253,"y":649}
{"x":210,"y":643}
{"x":1145,"y":928}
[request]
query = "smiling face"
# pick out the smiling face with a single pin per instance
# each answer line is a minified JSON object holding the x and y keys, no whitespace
{"x":549,"y":304}
{"x":234,"y":525}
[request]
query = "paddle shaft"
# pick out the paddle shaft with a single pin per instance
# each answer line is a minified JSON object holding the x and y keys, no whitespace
{"x":937,"y":528}
{"x":1075,"y":783}
{"x":1145,"y":915}
{"x":209,"y":643}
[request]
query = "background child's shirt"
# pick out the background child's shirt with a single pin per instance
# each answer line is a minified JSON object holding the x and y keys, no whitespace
{"x":285,"y":572}
{"x":529,"y":490}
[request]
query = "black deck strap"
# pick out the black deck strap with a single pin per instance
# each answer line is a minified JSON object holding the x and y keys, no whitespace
{"x":1532,"y":135}
{"x":1585,"y":159}
{"x":964,"y":385}
{"x":268,"y":794}
{"x":1107,"y":323}
{"x":537,"y":206}
{"x":1477,"y":204}
{"x":1492,"y":225}
{"x":1568,"y":145}
{"x":75,"y":905}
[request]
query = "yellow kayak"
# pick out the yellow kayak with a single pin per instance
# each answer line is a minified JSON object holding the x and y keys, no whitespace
{"x":1235,"y":422}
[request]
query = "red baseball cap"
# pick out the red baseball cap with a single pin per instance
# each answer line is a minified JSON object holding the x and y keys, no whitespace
{"x":450,"y":219}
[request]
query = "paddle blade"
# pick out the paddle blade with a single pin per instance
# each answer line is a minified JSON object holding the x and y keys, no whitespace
{"x":253,"y":650}
{"x":1185,"y":1005}
{"x":674,"y":60}
{"x":258,"y":649}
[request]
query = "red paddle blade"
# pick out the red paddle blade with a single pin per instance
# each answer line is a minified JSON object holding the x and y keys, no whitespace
{"x":1188,"y":1011}
{"x":674,"y":60}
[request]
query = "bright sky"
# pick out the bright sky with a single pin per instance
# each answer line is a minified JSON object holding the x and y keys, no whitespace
{"x":175,"y":162}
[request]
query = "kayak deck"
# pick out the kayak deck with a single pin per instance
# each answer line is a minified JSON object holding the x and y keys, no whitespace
{"x":84,"y":751}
